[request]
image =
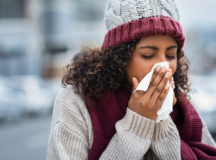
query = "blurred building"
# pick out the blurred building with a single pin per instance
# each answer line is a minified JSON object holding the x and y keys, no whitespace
{"x":19,"y":37}
{"x":201,"y":50}
{"x":67,"y":27}
{"x":41,"y":36}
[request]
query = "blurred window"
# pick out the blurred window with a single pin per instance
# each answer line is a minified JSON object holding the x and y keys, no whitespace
{"x":10,"y":9}
{"x":90,"y":10}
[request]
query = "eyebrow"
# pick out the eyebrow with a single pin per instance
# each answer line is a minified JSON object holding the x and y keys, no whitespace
{"x":155,"y":48}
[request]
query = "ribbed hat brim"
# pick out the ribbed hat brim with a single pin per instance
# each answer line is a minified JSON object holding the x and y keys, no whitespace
{"x":142,"y":28}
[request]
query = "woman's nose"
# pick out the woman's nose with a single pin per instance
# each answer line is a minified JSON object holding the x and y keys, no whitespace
{"x":163,"y":59}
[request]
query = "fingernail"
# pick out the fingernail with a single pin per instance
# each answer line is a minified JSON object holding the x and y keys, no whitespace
{"x":158,"y":68}
{"x":167,"y":86}
{"x":164,"y":70}
{"x":167,"y":75}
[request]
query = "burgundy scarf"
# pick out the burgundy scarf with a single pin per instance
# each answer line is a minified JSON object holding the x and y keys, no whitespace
{"x":105,"y":113}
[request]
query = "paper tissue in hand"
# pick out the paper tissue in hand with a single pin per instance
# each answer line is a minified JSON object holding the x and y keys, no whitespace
{"x":167,"y":106}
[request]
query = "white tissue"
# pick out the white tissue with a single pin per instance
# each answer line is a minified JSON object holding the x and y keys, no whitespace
{"x":167,"y":106}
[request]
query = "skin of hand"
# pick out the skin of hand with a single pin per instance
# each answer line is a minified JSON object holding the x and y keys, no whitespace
{"x":172,"y":84}
{"x":148,"y":51}
{"x":148,"y":103}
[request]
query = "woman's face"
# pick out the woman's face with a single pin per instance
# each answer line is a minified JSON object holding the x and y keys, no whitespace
{"x":151,"y":50}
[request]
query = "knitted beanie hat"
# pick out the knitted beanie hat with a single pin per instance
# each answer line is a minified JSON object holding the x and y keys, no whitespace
{"x":131,"y":19}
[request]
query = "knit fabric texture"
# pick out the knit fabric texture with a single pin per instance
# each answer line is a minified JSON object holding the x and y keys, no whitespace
{"x":130,"y":19}
{"x":112,"y":108}
{"x":71,"y":134}
{"x":119,"y":12}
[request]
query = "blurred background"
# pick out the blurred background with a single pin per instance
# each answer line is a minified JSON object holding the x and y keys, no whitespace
{"x":39,"y":37}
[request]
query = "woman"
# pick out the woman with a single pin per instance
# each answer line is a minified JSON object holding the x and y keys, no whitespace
{"x":97,"y":115}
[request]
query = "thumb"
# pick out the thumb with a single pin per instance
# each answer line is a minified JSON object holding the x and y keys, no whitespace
{"x":135,"y":84}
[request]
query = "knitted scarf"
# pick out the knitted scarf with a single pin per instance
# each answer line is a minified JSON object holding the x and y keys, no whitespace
{"x":106,"y":112}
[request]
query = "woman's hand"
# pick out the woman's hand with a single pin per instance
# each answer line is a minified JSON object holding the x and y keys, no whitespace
{"x":172,"y":85}
{"x":148,"y":103}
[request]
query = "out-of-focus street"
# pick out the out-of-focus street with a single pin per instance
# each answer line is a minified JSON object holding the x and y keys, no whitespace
{"x":25,"y":140}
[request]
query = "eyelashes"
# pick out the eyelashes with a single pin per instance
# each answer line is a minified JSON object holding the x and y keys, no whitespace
{"x":149,"y":57}
{"x":171,"y":57}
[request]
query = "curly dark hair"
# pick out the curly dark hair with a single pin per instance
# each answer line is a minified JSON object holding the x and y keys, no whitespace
{"x":96,"y":70}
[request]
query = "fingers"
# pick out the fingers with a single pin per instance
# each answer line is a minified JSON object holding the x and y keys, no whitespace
{"x":174,"y":99}
{"x":172,"y":84}
{"x":135,"y":85}
{"x":155,"y":73}
{"x":162,"y":96}
{"x":171,"y":80}
{"x":153,"y":85}
{"x":160,"y":88}
{"x":170,"y":71}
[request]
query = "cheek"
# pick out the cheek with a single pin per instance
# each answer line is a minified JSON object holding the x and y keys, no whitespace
{"x":137,"y":68}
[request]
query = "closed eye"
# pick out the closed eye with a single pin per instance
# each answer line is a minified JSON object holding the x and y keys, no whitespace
{"x":171,"y":57}
{"x":149,"y":57}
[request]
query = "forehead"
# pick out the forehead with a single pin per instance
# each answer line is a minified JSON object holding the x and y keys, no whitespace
{"x":158,"y":40}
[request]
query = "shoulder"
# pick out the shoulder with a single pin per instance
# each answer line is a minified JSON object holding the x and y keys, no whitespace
{"x":68,"y":102}
{"x":67,"y":96}
{"x":71,"y":111}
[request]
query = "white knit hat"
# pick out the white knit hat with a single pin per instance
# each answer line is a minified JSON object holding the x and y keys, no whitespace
{"x":130,"y":19}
